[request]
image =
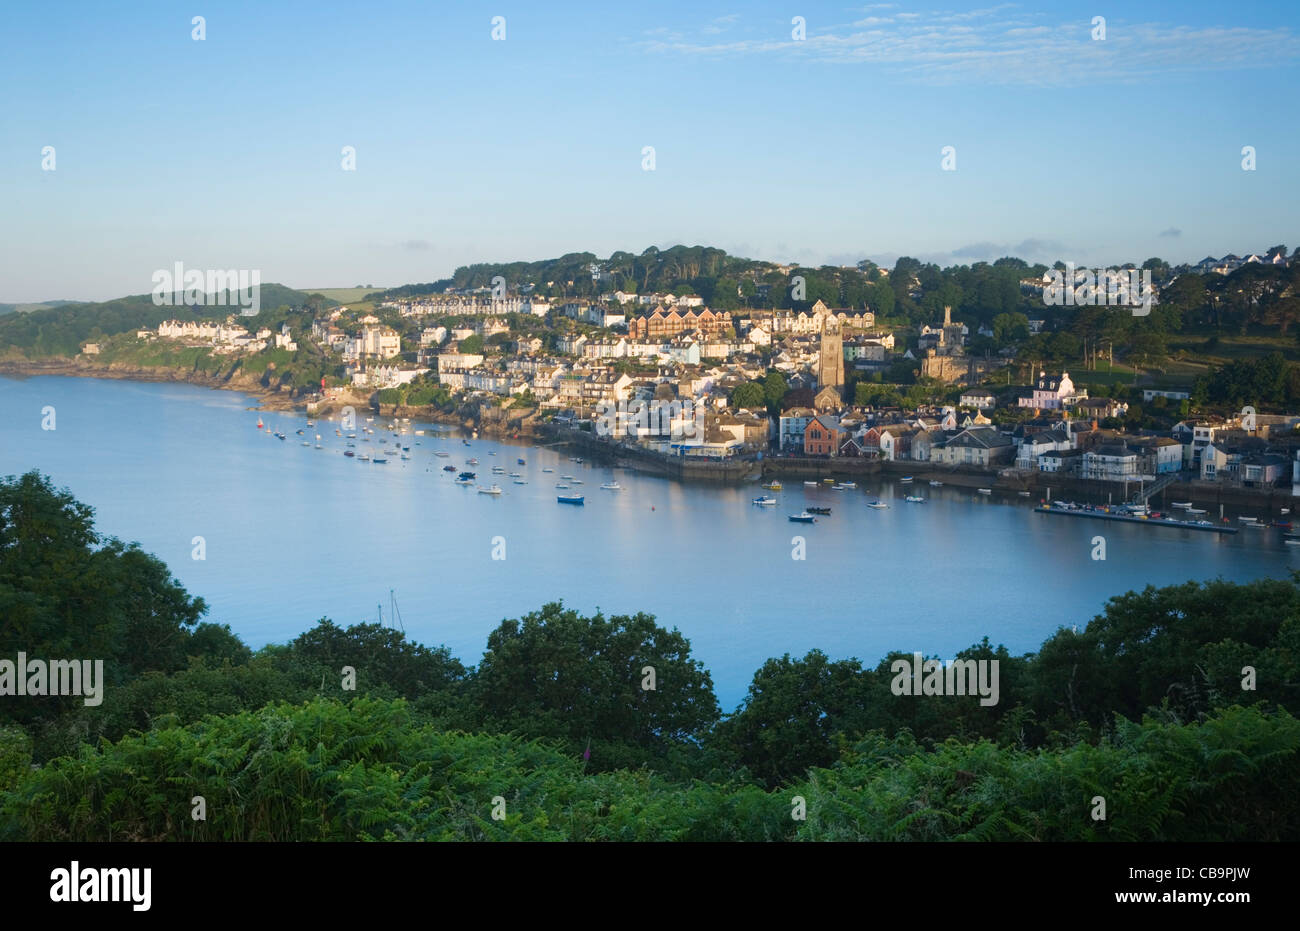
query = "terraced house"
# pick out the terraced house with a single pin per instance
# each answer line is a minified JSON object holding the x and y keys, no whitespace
{"x":669,"y":323}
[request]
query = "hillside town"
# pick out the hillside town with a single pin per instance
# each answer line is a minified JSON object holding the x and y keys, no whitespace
{"x":775,"y":384}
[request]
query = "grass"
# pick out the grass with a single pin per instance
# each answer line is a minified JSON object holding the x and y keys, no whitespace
{"x":348,"y":296}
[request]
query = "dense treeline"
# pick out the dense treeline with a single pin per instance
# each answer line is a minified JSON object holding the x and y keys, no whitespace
{"x":557,"y":721}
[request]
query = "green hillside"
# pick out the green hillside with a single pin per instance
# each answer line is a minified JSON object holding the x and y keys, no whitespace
{"x":61,"y":331}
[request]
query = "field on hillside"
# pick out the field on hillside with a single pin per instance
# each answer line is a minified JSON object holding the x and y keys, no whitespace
{"x":343,"y":295}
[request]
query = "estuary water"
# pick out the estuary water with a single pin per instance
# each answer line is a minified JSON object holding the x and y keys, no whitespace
{"x":293,"y":533}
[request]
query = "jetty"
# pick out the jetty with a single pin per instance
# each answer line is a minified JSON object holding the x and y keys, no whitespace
{"x":1134,"y":519}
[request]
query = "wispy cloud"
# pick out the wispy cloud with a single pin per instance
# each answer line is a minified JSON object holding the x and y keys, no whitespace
{"x":1172,"y":233}
{"x":721,"y":24}
{"x":1002,"y":45}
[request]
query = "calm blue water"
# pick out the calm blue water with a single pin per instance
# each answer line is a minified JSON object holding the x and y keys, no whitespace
{"x":295,"y":534}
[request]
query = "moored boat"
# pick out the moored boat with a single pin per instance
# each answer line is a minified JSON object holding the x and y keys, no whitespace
{"x":915,"y":499}
{"x":611,"y":486}
{"x":569,"y":499}
{"x":494,"y":490}
{"x":934,"y":484}
{"x":804,"y":518}
{"x":878,"y":505}
{"x":765,"y":501}
{"x":985,"y":491}
{"x":820,"y":510}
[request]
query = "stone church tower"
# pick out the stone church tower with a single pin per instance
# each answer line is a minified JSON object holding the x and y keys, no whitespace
{"x":830,"y":362}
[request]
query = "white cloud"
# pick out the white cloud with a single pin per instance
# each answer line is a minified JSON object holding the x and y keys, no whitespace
{"x":994,"y":46}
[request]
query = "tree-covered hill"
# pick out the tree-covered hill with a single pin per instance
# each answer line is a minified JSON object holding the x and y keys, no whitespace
{"x":61,"y":330}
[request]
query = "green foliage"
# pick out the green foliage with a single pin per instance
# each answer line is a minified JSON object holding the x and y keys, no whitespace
{"x":65,"y":592}
{"x":555,"y":673}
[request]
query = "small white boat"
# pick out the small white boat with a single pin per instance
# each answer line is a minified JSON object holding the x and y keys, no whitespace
{"x":915,"y":499}
{"x":548,"y":470}
{"x":765,"y":501}
{"x":1248,"y":520}
{"x":1023,"y":494}
{"x":847,"y":485}
{"x":561,"y":485}
{"x":576,"y":481}
{"x":803,"y":518}
{"x":1293,"y":542}
{"x":878,"y":505}
{"x":810,"y":484}
{"x":497,"y":470}
{"x":1196,"y":510}
{"x":494,"y":490}
{"x":520,"y":481}
{"x":934,"y":484}
{"x":612,"y":486}
{"x":441,"y":455}
{"x":566,"y":478}
{"x":985,"y":491}
{"x":905,"y":479}
{"x":516,"y":475}
{"x":1180,"y":504}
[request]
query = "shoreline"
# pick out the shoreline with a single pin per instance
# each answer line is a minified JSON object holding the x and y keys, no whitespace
{"x":739,"y":471}
{"x":267,"y":400}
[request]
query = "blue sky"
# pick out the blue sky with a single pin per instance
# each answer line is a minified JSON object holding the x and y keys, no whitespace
{"x":225,"y":153}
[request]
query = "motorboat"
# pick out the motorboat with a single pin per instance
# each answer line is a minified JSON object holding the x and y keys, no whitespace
{"x":449,"y":468}
{"x":905,"y":479}
{"x":804,"y":518}
{"x":985,"y":491}
{"x":915,"y":499}
{"x":809,"y":484}
{"x":494,"y":490}
{"x":611,"y":486}
{"x":934,"y":484}
{"x":878,"y":505}
{"x":569,"y":499}
{"x":820,"y":510}
{"x":773,"y":486}
{"x":765,"y":501}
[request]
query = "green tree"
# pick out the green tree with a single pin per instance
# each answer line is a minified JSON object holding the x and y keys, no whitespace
{"x":556,"y":673}
{"x":749,"y":394}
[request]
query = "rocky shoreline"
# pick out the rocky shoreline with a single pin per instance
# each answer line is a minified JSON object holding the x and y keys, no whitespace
{"x":77,"y":368}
